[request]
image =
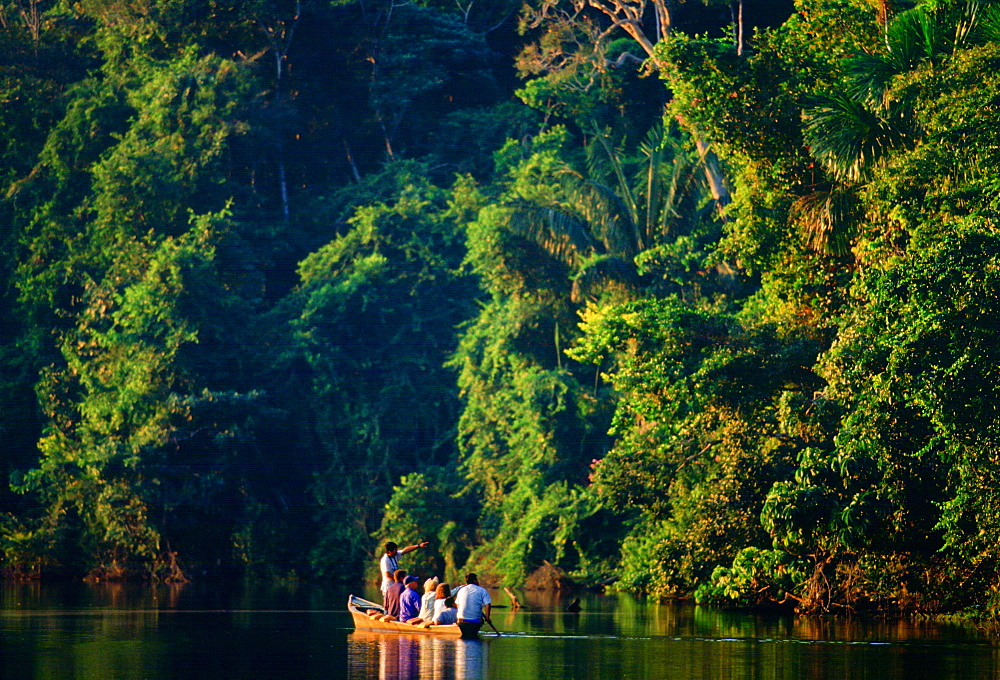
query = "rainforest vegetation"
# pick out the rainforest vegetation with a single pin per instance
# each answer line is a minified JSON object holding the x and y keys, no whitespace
{"x":693,"y":299}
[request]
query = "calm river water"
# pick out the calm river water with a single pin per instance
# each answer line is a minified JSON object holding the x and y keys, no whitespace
{"x":202,"y":631}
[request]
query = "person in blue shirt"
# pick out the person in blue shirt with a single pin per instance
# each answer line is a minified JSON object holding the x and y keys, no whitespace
{"x":410,"y":601}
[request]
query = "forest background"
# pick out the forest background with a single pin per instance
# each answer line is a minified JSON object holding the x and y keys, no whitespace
{"x":694,"y":299}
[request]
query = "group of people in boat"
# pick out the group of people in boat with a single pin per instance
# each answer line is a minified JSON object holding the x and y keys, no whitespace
{"x":439,"y":604}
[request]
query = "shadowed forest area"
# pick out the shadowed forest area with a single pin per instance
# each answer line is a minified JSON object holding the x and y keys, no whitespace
{"x":695,"y":299}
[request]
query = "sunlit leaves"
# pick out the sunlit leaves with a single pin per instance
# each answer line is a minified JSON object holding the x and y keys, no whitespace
{"x":696,"y":411}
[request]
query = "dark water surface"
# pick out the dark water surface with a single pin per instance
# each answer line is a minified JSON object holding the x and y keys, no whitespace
{"x":298,"y":631}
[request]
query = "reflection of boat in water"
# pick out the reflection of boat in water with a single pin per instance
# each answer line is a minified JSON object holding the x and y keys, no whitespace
{"x":415,"y":657}
{"x":362,"y":621}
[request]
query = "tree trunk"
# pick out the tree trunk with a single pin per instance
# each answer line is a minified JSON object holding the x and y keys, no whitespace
{"x":280,"y":38}
{"x":628,"y":15}
{"x":716,"y":181}
{"x":350,"y":161}
{"x":736,"y":10}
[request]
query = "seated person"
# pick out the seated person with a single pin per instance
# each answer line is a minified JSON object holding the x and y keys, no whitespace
{"x":442,"y":608}
{"x":409,"y":601}
{"x":473,"y":601}
{"x":427,"y":601}
{"x":393,"y":594}
{"x":448,"y":613}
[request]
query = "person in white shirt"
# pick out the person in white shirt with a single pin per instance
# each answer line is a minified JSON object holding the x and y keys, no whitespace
{"x":473,"y":602}
{"x":427,"y":601}
{"x":390,"y":563}
{"x":446,"y":612}
{"x":442,"y":596}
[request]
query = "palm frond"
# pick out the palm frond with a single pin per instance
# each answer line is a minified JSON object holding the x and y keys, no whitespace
{"x":871,"y":74}
{"x":606,"y":160}
{"x":869,"y":77}
{"x":654,"y":150}
{"x":848,"y":137}
{"x":826,"y":218}
{"x":606,"y":214}
{"x":685,"y":187}
{"x":925,"y":33}
{"x":989,"y":24}
{"x":602,"y":273}
{"x":561,"y":234}
{"x":933,"y":31}
{"x":967,"y":21}
{"x":654,"y":141}
{"x":671,"y":182}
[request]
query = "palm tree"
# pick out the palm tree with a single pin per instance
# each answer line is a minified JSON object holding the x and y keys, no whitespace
{"x":620,"y":206}
{"x":827,"y":217}
{"x":633,"y":18}
{"x":850,"y":138}
{"x":851,"y":132}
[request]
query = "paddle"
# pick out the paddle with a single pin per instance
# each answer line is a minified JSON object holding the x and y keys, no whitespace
{"x":491,"y":625}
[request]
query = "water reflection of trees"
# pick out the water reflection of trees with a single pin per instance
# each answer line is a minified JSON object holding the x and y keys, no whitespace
{"x":33,"y":595}
{"x":428,"y":657}
{"x":627,"y":615}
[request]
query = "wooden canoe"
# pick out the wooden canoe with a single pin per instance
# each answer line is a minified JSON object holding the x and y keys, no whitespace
{"x":362,"y":621}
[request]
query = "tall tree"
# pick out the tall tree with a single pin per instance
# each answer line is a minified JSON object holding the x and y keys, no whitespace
{"x":374,"y":319}
{"x":119,"y":269}
{"x":630,"y":17}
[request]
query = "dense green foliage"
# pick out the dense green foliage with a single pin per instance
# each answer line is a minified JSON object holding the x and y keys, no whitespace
{"x":544,"y":286}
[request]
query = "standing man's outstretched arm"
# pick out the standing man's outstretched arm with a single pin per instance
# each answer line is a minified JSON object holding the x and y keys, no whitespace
{"x":411,"y":548}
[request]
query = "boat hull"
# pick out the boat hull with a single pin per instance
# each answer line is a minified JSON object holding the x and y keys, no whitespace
{"x":358,"y":608}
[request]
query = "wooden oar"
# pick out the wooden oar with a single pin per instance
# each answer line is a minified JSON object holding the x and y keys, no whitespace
{"x":491,"y":625}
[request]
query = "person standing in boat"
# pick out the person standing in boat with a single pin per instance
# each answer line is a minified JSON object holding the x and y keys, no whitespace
{"x":473,"y":602}
{"x":390,"y":562}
